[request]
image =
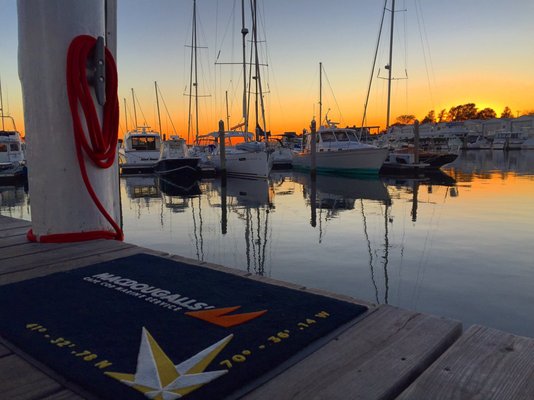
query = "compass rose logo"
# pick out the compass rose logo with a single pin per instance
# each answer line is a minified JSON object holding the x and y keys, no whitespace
{"x":158,"y":378}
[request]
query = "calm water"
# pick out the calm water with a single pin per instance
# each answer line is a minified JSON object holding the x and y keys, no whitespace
{"x":460,"y":245}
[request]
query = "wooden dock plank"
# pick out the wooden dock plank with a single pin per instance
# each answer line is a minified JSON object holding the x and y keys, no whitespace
{"x":13,"y":240}
{"x":376,"y":359}
{"x":484,"y":364}
{"x":69,"y":264}
{"x":4,"y":219}
{"x":52,"y":253}
{"x":13,"y":230}
{"x":20,"y":380}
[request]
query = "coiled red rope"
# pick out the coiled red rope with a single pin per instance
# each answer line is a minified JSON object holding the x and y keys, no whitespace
{"x":100,"y":143}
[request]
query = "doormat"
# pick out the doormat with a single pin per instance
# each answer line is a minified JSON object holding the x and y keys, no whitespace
{"x":148,"y":327}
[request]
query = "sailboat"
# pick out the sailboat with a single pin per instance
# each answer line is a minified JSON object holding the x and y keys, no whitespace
{"x":407,"y":159}
{"x":339,"y":150}
{"x":174,"y":162}
{"x":12,"y":158}
{"x":250,"y":157}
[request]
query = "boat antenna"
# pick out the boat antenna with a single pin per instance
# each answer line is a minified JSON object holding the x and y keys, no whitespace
{"x":157,"y":105}
{"x":389,"y":67}
{"x":135,"y":111}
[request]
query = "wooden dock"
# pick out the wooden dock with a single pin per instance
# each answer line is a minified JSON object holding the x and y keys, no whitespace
{"x":390,"y":354}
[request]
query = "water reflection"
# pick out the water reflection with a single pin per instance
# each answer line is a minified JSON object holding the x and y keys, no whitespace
{"x":252,"y":201}
{"x":14,"y":200}
{"x":456,"y":244}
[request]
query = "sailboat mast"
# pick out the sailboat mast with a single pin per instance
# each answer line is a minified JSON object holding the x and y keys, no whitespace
{"x":227,"y":113}
{"x":135,"y":111}
{"x":191,"y":68}
{"x":196,"y":67}
{"x":390,"y":65}
{"x":259,"y":89}
{"x":320,"y":94}
{"x":157,"y":105}
{"x":2,"y":105}
{"x":244,"y":32}
{"x":125,"y":115}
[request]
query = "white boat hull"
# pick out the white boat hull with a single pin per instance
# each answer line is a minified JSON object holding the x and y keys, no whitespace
{"x":246,"y":164}
{"x":351,"y":161}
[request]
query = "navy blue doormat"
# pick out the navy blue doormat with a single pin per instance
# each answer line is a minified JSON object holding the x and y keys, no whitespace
{"x":149,"y":326}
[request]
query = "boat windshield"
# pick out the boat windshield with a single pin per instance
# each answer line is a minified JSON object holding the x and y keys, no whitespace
{"x":144,"y":143}
{"x":328,"y":137}
{"x":352,"y":136}
{"x":342,"y":136}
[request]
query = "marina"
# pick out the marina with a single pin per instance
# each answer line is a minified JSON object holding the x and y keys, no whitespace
{"x":441,"y":244}
{"x":405,"y":346}
{"x":262,"y":250}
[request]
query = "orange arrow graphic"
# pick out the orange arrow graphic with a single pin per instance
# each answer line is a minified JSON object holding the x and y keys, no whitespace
{"x":218,"y":316}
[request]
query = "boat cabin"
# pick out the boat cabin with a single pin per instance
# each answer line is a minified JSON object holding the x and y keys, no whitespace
{"x":142,"y":140}
{"x":173,"y":148}
{"x":334,"y":139}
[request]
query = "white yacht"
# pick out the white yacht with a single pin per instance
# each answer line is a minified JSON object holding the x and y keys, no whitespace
{"x":140,"y":151}
{"x":247,"y":158}
{"x":12,"y":158}
{"x":340,"y":151}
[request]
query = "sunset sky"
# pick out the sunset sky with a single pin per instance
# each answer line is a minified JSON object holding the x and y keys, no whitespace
{"x":453,"y":52}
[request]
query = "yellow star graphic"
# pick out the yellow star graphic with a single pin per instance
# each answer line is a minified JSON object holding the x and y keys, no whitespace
{"x":158,"y":378}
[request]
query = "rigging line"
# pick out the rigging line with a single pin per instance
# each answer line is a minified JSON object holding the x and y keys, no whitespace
{"x":167,"y":110}
{"x":371,"y":267}
{"x":140,"y":109}
{"x":334,"y":96}
{"x":373,"y":69}
{"x":406,"y":58}
{"x":258,"y":72}
{"x":422,"y":29}
{"x":206,"y":77}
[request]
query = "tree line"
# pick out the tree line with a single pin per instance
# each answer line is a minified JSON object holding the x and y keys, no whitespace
{"x":461,"y":112}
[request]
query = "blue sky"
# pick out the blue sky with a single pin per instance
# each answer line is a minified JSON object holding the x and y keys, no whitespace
{"x":454,"y":52}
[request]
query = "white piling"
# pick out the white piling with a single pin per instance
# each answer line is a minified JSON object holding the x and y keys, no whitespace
{"x":60,"y":203}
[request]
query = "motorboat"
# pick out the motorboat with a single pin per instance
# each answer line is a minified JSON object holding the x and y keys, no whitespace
{"x":175,"y":162}
{"x":140,"y":151}
{"x":12,"y":157}
{"x":339,"y":150}
{"x":406,"y":160}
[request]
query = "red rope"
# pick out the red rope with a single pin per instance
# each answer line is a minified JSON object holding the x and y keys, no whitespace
{"x":100,"y":143}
